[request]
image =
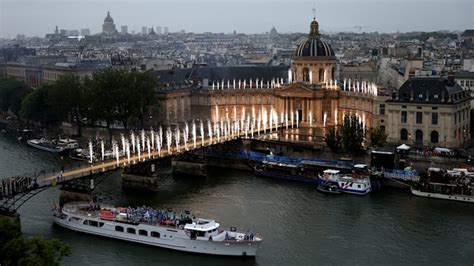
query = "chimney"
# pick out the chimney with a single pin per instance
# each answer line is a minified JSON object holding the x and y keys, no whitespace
{"x":450,"y":78}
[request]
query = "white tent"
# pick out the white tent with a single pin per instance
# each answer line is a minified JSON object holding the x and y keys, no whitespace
{"x":403,"y":147}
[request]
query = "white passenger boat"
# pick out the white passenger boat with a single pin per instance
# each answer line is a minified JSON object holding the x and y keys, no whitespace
{"x":67,"y":143}
{"x":183,"y":234}
{"x":456,"y":185}
{"x":443,"y":195}
{"x":359,"y":185}
{"x":45,"y":145}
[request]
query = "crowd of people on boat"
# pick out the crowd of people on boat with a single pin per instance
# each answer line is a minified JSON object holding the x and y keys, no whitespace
{"x":14,"y":185}
{"x":153,"y":216}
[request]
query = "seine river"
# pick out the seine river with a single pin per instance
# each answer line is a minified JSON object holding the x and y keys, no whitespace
{"x":300,"y":226}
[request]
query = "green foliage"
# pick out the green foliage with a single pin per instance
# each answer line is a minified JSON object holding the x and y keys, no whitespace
{"x":108,"y":99}
{"x":377,"y":137}
{"x":15,"y":250}
{"x":36,"y":107}
{"x":109,"y":96}
{"x":333,"y":140}
{"x":12,"y":93}
{"x":66,"y":97}
{"x":117,"y":95}
{"x":352,"y":133}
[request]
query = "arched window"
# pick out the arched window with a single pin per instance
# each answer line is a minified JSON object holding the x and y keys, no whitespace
{"x":403,"y":134}
{"x":434,"y":137}
{"x":306,"y":74}
{"x":321,"y":75}
{"x":333,"y":73}
{"x":419,"y":136}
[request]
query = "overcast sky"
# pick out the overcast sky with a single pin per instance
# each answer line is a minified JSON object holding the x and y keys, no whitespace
{"x":38,"y":17}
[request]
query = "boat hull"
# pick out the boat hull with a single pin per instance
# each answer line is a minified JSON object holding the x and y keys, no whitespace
{"x":328,"y":191}
{"x":463,"y":198}
{"x":169,"y":238}
{"x":285,"y":176}
{"x":44,"y":148}
{"x":343,"y":187}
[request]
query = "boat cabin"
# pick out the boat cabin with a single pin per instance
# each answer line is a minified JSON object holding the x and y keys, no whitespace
{"x":360,"y":168}
{"x":331,"y":174}
{"x":202,"y":228}
{"x":68,"y":143}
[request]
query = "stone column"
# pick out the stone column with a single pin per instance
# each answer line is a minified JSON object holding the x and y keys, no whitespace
{"x":291,"y":106}
{"x":308,"y":108}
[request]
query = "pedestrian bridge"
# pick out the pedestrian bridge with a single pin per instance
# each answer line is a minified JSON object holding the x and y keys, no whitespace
{"x":15,"y":191}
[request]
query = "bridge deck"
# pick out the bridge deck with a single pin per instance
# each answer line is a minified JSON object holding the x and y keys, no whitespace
{"x":51,"y":179}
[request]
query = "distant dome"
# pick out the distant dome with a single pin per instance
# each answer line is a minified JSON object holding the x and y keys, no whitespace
{"x":108,"y":18}
{"x":313,"y":45}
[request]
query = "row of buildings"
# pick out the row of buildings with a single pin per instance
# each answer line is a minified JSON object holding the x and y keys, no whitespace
{"x":405,"y":88}
{"x":424,"y":111}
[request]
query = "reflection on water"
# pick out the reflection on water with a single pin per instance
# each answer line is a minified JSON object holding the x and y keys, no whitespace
{"x":299,"y":225}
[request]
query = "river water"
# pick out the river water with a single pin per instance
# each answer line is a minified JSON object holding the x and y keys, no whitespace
{"x":300,"y":226}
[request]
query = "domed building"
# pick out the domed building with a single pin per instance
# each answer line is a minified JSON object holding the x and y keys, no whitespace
{"x":313,"y":93}
{"x":109,"y":27}
{"x":307,"y":92}
{"x":314,"y":60}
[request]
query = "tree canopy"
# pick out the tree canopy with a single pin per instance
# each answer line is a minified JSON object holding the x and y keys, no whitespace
{"x":15,"y":250}
{"x":36,"y":107}
{"x":108,"y":96}
{"x":333,"y":139}
{"x":12,"y":93}
{"x":349,"y":137}
{"x":377,"y":137}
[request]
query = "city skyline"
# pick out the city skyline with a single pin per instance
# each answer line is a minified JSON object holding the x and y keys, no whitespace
{"x":207,"y":16}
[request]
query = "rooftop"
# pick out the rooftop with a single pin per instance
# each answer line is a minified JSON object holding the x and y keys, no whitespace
{"x":464,"y":75}
{"x":433,"y":89}
{"x":468,"y":33}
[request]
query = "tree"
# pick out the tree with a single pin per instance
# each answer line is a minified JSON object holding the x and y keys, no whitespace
{"x":143,"y":86}
{"x":67,"y":99}
{"x":333,"y":140}
{"x":12,"y":93}
{"x":377,"y":137}
{"x":15,"y":250}
{"x":102,"y":93}
{"x":353,"y":133}
{"x":36,"y":107}
{"x":118,"y":95}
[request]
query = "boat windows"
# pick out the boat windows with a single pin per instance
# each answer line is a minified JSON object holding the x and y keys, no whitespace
{"x":119,"y":228}
{"x":131,"y":231}
{"x":101,"y":224}
{"x":358,"y":186}
{"x":91,"y":223}
{"x":75,"y":219}
{"x":143,"y":232}
{"x":155,"y":234}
